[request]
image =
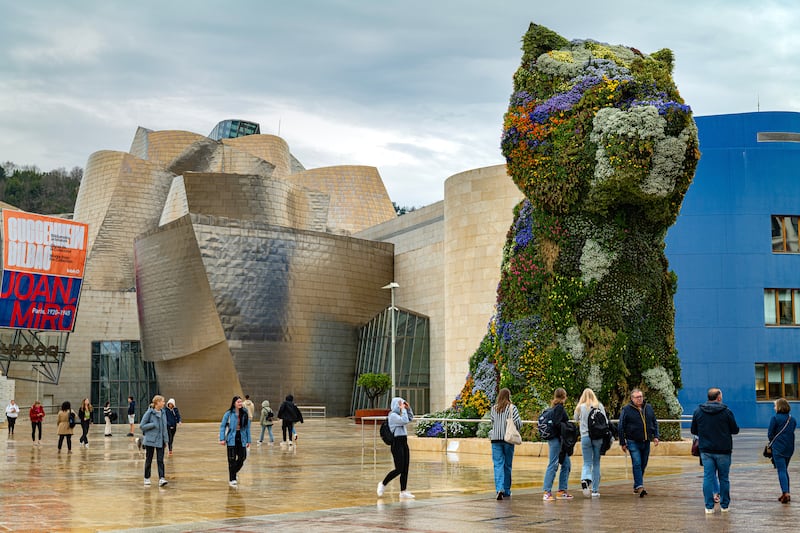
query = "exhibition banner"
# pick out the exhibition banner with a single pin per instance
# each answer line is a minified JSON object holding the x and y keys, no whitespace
{"x":43,"y":265}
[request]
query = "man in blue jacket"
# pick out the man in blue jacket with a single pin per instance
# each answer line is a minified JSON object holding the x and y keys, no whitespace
{"x":715,"y":424}
{"x":637,"y":427}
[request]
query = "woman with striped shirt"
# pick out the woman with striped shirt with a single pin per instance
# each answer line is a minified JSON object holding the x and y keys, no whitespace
{"x":503,"y":452}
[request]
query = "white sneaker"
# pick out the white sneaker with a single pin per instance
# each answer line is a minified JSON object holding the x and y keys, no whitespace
{"x":162,"y":482}
{"x":138,"y":441}
{"x":259,"y":443}
{"x":586,"y":485}
{"x":146,"y":482}
{"x":725,"y":509}
{"x":86,"y":445}
{"x":233,"y":483}
{"x":406,"y":495}
{"x":710,"y":511}
{"x":381,"y":488}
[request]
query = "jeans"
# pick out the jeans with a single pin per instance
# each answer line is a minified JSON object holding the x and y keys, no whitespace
{"x":552,"y":466}
{"x":640,"y":453}
{"x":782,"y":466}
{"x":269,"y":429}
{"x":502,"y":457}
{"x":591,"y":461}
{"x":716,"y":465}
{"x":148,"y":461}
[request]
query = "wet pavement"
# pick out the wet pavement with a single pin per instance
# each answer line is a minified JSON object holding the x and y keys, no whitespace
{"x":327,"y":483}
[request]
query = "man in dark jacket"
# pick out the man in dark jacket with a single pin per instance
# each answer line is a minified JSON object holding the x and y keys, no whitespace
{"x":289,"y":415}
{"x":715,"y":424}
{"x":637,"y":427}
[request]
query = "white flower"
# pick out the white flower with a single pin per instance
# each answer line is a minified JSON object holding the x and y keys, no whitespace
{"x":595,"y":378}
{"x":571,"y":342}
{"x":595,"y":261}
{"x":659,"y":379}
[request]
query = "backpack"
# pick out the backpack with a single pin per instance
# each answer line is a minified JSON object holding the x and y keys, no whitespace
{"x":598,"y":423}
{"x":546,"y":427}
{"x":386,"y":433}
{"x":72,"y":420}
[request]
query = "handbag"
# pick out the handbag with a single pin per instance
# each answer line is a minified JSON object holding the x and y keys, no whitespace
{"x":696,"y":447}
{"x":768,"y":448}
{"x":512,"y":435}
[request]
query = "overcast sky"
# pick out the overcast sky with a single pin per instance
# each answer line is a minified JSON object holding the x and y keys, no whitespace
{"x":415,"y":88}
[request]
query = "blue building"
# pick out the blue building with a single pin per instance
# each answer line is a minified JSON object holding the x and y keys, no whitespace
{"x":735,"y":250}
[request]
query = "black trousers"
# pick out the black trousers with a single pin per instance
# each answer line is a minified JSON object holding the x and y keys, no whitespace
{"x":69,"y":441}
{"x":85,"y":431}
{"x":236,"y":456}
{"x":402,"y":460}
{"x":148,"y":461}
{"x":35,"y":425}
{"x":287,"y":426}
{"x":11,"y":422}
{"x":171,"y":433}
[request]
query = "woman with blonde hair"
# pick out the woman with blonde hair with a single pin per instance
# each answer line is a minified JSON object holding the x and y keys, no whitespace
{"x":590,"y":448}
{"x":558,"y":416}
{"x":156,"y":437}
{"x":502,"y":451}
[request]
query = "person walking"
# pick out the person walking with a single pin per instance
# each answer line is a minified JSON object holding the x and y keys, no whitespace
{"x":234,"y":432}
{"x":249,"y":405}
{"x":36,"y":414}
{"x":173,"y":421}
{"x":399,"y":417}
{"x":637,"y":427}
{"x":12,"y":412}
{"x":559,"y":417}
{"x":64,"y":428}
{"x":715,"y":425}
{"x":502,"y":451}
{"x":781,"y":438}
{"x":289,"y":415}
{"x":107,"y":417}
{"x":85,"y":418}
{"x":131,"y":414}
{"x":154,"y":439}
{"x":590,"y":448}
{"x":267,"y":419}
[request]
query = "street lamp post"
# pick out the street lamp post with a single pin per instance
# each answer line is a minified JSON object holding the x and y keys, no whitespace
{"x":392,"y":286}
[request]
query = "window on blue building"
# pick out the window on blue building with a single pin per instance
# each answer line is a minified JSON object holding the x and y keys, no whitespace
{"x":785,"y":234}
{"x":782,"y":307}
{"x":776,"y":380}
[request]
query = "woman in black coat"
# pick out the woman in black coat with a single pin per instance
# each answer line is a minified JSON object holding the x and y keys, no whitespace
{"x":781,"y":437}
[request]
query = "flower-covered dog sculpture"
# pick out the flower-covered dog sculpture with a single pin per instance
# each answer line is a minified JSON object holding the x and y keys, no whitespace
{"x":602,"y":146}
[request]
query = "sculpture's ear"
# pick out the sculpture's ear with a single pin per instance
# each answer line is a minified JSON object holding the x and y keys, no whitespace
{"x":665,"y":57}
{"x":538,"y":40}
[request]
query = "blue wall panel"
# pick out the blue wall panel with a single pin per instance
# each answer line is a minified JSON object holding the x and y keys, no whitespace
{"x":720,"y":248}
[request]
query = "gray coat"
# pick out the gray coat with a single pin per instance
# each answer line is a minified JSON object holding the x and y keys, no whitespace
{"x":154,"y":427}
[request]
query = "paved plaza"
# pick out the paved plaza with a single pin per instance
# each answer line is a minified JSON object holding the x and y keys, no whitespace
{"x":327,"y":483}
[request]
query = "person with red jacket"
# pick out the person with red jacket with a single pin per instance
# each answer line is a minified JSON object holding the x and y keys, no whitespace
{"x":36,"y":415}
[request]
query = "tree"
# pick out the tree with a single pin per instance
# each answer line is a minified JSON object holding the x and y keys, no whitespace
{"x":375,"y":385}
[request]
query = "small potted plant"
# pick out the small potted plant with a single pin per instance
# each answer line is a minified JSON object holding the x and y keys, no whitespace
{"x":375,"y":386}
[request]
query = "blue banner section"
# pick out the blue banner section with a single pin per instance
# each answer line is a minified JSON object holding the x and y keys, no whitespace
{"x":38,"y":301}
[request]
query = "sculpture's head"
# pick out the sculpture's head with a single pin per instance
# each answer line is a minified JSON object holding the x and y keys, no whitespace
{"x":596,"y":128}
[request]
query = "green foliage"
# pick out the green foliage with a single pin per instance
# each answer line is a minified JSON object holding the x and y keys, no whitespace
{"x":29,"y":189}
{"x":375,"y":385}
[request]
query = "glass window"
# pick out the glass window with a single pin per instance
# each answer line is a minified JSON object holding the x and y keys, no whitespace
{"x":119,"y":371}
{"x":785,"y":306}
{"x":761,"y":382}
{"x":790,"y":381}
{"x":785,"y":234}
{"x":774,"y":379}
{"x":770,"y":316}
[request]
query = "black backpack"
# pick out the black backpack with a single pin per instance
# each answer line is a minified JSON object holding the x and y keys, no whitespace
{"x":386,"y":433}
{"x":598,"y":424}
{"x":72,"y":420}
{"x":546,"y":427}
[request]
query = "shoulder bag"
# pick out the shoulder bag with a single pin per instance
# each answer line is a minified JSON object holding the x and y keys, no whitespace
{"x":512,"y":435}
